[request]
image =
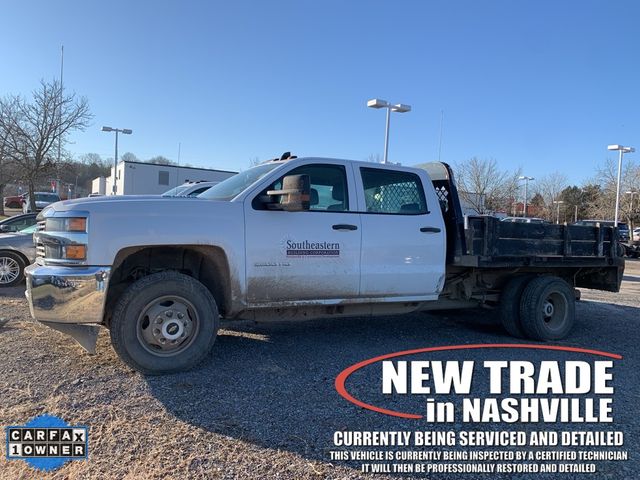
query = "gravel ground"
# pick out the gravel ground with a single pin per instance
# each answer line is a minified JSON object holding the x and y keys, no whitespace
{"x":263,"y":405}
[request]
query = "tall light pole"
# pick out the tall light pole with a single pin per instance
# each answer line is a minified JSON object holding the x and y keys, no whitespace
{"x":622,"y":151}
{"x":398,"y":107}
{"x":632,"y":193}
{"x":558,"y":202}
{"x":124,"y":131}
{"x":526,"y":185}
{"x":578,"y":203}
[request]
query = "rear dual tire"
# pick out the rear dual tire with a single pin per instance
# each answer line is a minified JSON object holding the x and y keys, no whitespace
{"x":541,"y":308}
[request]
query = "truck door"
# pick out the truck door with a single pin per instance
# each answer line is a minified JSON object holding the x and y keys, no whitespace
{"x":403,"y":236}
{"x":309,"y":255}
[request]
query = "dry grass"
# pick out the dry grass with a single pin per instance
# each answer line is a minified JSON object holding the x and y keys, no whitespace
{"x":164,"y":428}
{"x":132,"y":435}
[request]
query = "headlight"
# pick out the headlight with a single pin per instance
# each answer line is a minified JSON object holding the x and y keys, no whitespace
{"x":70,"y":224}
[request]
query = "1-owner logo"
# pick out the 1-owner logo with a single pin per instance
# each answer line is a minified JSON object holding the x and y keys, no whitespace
{"x":47,"y":442}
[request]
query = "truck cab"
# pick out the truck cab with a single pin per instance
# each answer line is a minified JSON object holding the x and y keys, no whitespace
{"x":369,"y":232}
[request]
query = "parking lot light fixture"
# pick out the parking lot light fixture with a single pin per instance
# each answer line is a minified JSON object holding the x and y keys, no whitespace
{"x":622,"y":149}
{"x":558,"y":202}
{"x":632,"y":193}
{"x":526,"y":185}
{"x":398,"y":107}
{"x":125,"y":131}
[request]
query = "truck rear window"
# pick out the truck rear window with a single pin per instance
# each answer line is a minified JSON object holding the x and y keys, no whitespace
{"x":394,"y":192}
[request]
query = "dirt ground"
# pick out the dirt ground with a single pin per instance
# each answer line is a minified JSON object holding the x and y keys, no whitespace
{"x":263,"y":405}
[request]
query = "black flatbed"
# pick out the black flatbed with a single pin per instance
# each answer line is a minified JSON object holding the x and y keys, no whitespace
{"x":591,"y":255}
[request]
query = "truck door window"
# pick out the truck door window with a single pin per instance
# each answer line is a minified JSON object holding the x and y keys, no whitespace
{"x":328,"y":187}
{"x":388,"y":191}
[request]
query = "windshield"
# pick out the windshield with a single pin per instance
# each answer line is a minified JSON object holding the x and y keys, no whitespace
{"x":29,"y":229}
{"x":47,"y":197}
{"x":232,"y":186}
{"x":175,"y":191}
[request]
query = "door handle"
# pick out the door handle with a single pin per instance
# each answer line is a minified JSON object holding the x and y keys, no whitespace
{"x":430,"y":230}
{"x":344,"y":226}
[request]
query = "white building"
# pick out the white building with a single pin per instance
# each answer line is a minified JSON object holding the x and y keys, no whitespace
{"x":140,"y":178}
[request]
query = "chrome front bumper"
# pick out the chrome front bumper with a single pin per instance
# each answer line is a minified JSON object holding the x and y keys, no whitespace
{"x":67,"y":295}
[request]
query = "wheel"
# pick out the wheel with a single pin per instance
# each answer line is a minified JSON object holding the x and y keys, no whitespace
{"x":163,"y":323}
{"x":510,"y":305}
{"x":11,"y":269}
{"x":547,"y":309}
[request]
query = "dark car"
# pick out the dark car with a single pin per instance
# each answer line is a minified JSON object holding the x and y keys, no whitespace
{"x":17,"y":222}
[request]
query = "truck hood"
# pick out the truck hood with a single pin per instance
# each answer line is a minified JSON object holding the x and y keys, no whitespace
{"x":119,"y":222}
{"x":137,"y":203}
{"x":106,"y":198}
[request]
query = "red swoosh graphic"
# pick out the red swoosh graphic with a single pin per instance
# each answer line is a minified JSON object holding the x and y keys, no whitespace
{"x":342,"y":377}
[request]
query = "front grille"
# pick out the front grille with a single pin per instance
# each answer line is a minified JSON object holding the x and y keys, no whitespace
{"x":40,"y":251}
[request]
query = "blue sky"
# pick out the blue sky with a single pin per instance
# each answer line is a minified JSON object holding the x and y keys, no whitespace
{"x":544,"y":85}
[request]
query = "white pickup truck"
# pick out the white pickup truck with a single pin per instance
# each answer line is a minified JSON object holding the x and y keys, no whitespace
{"x":299,"y":238}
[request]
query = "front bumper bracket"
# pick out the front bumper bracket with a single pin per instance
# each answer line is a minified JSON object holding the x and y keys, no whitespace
{"x":85,"y":335}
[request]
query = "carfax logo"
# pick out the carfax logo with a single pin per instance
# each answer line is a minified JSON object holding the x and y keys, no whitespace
{"x":47,"y":442}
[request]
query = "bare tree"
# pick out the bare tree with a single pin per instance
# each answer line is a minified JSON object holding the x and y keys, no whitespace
{"x":4,"y":164}
{"x":33,"y":127}
{"x":129,"y":157}
{"x":607,"y":178}
{"x":160,"y":160}
{"x":550,"y":187}
{"x":374,"y":158}
{"x":484,"y":187}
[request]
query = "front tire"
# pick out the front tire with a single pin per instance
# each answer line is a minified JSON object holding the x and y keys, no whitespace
{"x":163,"y":323}
{"x":547,"y":309}
{"x":11,"y":269}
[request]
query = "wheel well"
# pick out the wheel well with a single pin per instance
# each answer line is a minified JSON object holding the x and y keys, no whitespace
{"x":206,"y":264}
{"x":20,"y":254}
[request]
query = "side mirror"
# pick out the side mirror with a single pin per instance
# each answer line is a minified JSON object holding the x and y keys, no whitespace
{"x":5,"y":228}
{"x":295,"y":195}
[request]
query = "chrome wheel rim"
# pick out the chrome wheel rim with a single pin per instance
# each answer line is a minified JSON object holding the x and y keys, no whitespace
{"x":9,"y":270}
{"x":167,"y":326}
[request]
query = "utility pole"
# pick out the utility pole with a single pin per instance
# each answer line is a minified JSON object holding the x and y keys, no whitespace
{"x":126,"y":131}
{"x":558,"y":202}
{"x":526,"y":184}
{"x":61,"y":97}
{"x":440,"y":141}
